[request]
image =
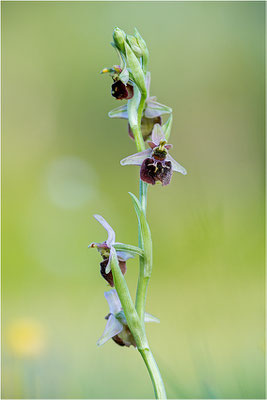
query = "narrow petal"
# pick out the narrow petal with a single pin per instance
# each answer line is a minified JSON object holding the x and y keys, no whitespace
{"x":110,"y":231}
{"x":136,"y":159}
{"x":175,"y":165}
{"x":155,"y":109}
{"x":151,"y":318}
{"x":119,"y":112}
{"x":157,"y":134}
{"x":113,"y":301}
{"x":112,"y":328}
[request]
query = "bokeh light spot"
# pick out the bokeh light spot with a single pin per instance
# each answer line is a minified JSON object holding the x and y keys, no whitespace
{"x":69,"y":182}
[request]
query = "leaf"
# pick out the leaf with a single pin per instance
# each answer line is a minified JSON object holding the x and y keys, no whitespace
{"x":146,"y":235}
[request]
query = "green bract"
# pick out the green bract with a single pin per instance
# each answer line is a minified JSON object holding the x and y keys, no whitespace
{"x":136,"y":69}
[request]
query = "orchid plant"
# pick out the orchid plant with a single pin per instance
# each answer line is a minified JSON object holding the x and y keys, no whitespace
{"x":131,"y":82}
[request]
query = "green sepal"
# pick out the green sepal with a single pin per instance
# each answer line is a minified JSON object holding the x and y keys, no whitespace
{"x":119,"y":112}
{"x":167,"y":128}
{"x":128,"y":248}
{"x":145,"y":235}
{"x":136,"y":69}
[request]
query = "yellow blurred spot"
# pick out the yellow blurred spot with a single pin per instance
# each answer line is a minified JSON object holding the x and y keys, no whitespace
{"x":104,"y":70}
{"x":25,"y":338}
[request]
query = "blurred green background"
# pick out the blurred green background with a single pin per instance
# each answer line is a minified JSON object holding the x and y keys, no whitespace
{"x":60,"y":165}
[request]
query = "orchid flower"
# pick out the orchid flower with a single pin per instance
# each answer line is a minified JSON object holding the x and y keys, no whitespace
{"x":121,"y":88}
{"x":124,"y":252}
{"x":156,"y":163}
{"x":151,"y":115}
{"x":117,"y":328}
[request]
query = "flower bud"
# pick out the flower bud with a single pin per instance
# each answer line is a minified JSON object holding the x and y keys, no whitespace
{"x":132,"y":41}
{"x":119,"y":37}
{"x":140,"y":41}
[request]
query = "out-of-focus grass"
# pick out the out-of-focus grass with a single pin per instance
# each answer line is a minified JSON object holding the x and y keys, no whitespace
{"x":61,"y":164}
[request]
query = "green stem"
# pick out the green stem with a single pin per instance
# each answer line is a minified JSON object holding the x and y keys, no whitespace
{"x":139,"y":141}
{"x":137,"y":328}
{"x":140,"y":109}
{"x":154,"y":373}
{"x":142,"y":280}
{"x":135,"y":315}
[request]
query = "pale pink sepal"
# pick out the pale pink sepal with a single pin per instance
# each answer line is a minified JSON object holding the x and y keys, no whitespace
{"x":137,"y":158}
{"x":113,"y":328}
{"x":111,"y":234}
{"x":175,"y":165}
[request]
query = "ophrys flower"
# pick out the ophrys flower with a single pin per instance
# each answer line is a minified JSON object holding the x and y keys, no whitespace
{"x":156,"y":162}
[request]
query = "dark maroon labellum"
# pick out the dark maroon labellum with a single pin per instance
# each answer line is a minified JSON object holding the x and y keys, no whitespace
{"x":121,"y":91}
{"x":155,"y":170}
{"x":109,"y":277}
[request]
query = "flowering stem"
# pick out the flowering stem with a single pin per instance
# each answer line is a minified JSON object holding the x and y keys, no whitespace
{"x":154,"y":373}
{"x":143,"y":280}
{"x":140,"y":108}
{"x":136,"y":328}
